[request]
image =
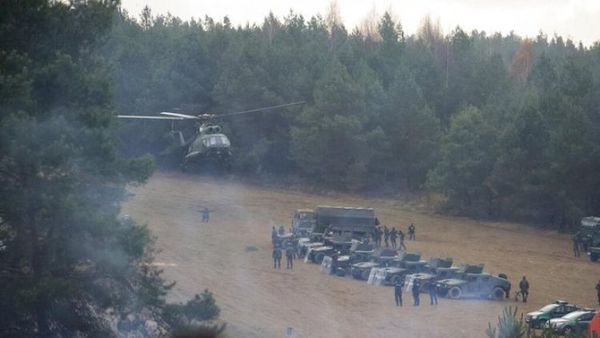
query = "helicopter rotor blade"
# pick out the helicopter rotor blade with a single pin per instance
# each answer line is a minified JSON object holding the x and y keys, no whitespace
{"x":259,"y":109}
{"x":146,"y":117}
{"x":181,"y":116}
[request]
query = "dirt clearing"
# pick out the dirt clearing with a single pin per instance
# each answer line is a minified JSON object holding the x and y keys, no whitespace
{"x":258,"y":301}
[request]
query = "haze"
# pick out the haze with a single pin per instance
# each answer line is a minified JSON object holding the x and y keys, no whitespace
{"x":575,"y":19}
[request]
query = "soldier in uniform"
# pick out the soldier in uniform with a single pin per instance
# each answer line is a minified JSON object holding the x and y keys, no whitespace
{"x":205,"y":215}
{"x":379,"y":236}
{"x":524,"y":286}
{"x":289,"y":256}
{"x":386,"y":236}
{"x":393,"y":236}
{"x":598,"y":291}
{"x":432,"y":288}
{"x":576,"y":251}
{"x":398,"y":292}
{"x":411,"y":232}
{"x":415,"y":291}
{"x":277,"y":258}
{"x":401,"y":237}
{"x":274,"y":236}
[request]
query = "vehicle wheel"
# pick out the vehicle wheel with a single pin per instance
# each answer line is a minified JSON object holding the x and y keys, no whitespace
{"x":568,"y":330}
{"x":498,"y":294}
{"x":593,"y":256}
{"x":319,"y":258}
{"x":365,"y":274}
{"x":454,"y":293}
{"x":340,"y":272}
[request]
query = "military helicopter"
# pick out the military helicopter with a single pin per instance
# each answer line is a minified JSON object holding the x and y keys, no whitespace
{"x":209,"y":145}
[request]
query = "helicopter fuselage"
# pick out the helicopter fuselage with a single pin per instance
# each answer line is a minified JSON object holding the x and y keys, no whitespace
{"x":209,"y":145}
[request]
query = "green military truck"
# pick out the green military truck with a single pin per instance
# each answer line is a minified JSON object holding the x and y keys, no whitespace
{"x":341,"y":222}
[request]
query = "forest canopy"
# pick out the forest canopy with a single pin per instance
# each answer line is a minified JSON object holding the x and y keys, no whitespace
{"x":502,"y":126}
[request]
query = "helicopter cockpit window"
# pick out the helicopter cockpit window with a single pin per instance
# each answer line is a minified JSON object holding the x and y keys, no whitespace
{"x":217,"y":140}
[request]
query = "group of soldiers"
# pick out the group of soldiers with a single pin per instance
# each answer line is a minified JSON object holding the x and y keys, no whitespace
{"x":392,"y":236}
{"x":430,"y":286}
{"x":279,"y":247}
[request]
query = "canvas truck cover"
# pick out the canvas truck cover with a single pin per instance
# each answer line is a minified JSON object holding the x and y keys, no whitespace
{"x":344,"y":216}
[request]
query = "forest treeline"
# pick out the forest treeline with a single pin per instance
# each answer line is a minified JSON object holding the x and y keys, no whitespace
{"x":504,"y":127}
{"x":71,"y":265}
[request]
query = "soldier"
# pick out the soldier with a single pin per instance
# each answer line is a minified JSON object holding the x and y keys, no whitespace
{"x":415,"y":291}
{"x":576,"y":251}
{"x":393,"y":236}
{"x":386,"y":236}
{"x":205,"y":215}
{"x":274,"y":236}
{"x":411,"y":232}
{"x":289,"y":257}
{"x":598,"y":291}
{"x":277,"y":258}
{"x":379,"y":236}
{"x":401,"y":237}
{"x":524,"y":286}
{"x":398,"y":291}
{"x":432,"y":288}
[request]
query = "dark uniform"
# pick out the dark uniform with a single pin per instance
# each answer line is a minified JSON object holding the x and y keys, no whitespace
{"x":274,"y":236}
{"x":205,"y":215}
{"x":432,"y":288}
{"x":393,"y":236}
{"x":386,"y":236}
{"x":277,"y":258}
{"x":411,"y":232}
{"x":379,"y":236}
{"x":524,"y":286}
{"x":415,"y":291}
{"x":398,"y":292}
{"x":598,"y":291}
{"x":289,"y":257}
{"x":401,"y":237}
{"x":576,"y":251}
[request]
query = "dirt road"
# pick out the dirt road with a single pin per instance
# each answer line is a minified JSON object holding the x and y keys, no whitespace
{"x":258,"y":301}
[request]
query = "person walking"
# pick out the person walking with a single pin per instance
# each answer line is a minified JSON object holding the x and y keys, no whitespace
{"x":393,"y":236}
{"x":416,"y":288}
{"x":524,"y":287}
{"x":398,"y":291}
{"x":289,"y":257}
{"x":401,"y":237}
{"x":411,"y":232}
{"x":432,"y":288}
{"x":598,"y":291}
{"x":277,"y":258}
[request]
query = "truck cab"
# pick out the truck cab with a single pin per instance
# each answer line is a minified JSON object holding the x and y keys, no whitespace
{"x":303,"y":222}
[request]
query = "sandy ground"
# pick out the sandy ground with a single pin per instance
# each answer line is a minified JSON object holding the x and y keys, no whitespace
{"x":258,"y":301}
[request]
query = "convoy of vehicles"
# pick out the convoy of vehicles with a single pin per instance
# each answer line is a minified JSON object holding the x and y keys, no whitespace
{"x":537,"y":319}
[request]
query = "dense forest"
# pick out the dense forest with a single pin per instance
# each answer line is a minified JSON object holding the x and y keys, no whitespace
{"x":70,"y":264}
{"x":504,"y":127}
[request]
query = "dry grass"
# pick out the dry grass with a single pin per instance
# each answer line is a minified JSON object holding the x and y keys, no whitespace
{"x":258,"y":301}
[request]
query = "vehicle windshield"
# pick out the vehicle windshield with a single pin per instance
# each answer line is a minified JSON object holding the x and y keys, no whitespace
{"x":574,"y":315}
{"x":216,"y":140}
{"x":549,"y":308}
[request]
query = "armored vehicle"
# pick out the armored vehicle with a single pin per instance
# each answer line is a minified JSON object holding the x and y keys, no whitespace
{"x":589,"y":233}
{"x":474,"y":285}
{"x":576,"y":322}
{"x":537,"y":319}
{"x":317,"y":254}
{"x":363,"y":270}
{"x":410,"y":261}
